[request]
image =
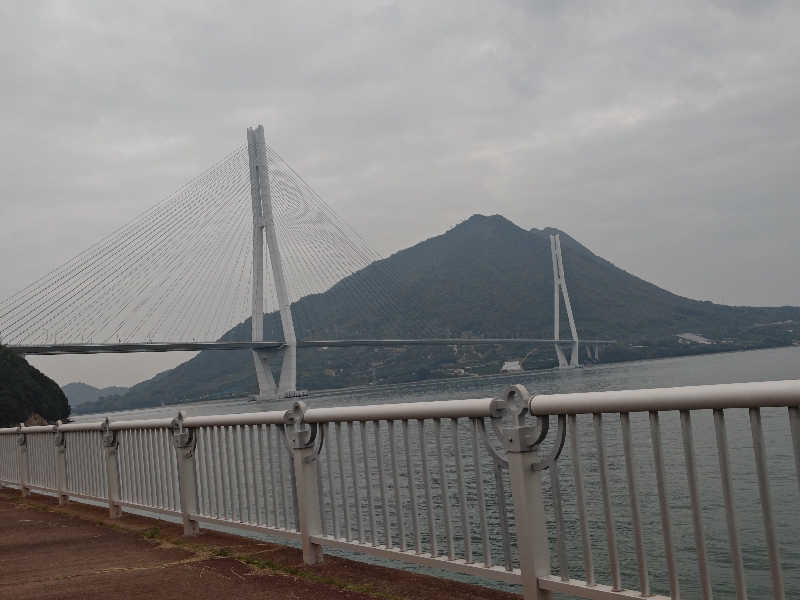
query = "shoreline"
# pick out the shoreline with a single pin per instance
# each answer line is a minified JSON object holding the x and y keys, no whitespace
{"x":422,"y":384}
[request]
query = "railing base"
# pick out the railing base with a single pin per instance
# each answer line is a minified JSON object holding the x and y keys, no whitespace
{"x":442,"y":562}
{"x":580,"y":589}
{"x":191,"y":528}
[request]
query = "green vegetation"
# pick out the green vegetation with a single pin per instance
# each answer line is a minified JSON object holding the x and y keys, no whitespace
{"x":485,"y":277}
{"x":308,"y":574}
{"x":25,"y":392}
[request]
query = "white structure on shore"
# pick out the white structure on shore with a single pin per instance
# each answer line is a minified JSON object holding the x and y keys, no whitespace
{"x":511,"y":366}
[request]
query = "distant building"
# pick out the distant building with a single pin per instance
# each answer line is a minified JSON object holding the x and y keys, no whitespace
{"x":693,"y":338}
{"x":511,"y":366}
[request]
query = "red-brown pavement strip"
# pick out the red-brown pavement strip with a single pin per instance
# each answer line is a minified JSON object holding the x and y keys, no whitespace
{"x":31,"y":542}
{"x":208,"y":580}
{"x":49,"y":552}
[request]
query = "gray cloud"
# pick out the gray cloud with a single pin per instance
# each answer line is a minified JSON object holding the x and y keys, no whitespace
{"x":664,"y":136}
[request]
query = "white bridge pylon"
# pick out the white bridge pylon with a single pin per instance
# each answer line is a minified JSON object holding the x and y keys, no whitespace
{"x":264,"y":225}
{"x":560,"y":287}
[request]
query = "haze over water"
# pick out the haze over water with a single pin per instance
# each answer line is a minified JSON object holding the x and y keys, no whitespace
{"x":761,"y":365}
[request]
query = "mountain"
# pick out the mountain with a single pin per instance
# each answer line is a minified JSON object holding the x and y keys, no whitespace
{"x":485,"y":277}
{"x":80,"y":393}
{"x":26,"y":392}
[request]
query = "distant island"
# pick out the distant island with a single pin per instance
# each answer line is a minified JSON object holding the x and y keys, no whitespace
{"x":485,"y":277}
{"x":27,"y":395}
{"x":80,"y":393}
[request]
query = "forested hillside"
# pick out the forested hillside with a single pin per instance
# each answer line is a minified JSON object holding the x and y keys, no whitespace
{"x":25,"y":392}
{"x":486,"y":277}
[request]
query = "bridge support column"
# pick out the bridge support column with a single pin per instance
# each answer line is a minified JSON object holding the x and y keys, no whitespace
{"x":185,"y":443}
{"x":61,"y":465}
{"x":264,"y":221}
{"x":266,"y":381}
{"x":562,"y":359}
{"x":288,"y":381}
{"x":22,"y":463}
{"x":559,"y":289}
{"x":111,"y":453}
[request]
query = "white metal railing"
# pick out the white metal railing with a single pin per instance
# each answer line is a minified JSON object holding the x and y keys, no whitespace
{"x":418,"y":482}
{"x":456,"y":485}
{"x":648,"y":409}
{"x":245,"y":475}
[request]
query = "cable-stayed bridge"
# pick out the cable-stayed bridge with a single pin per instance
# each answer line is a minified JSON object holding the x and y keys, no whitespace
{"x":187,"y":273}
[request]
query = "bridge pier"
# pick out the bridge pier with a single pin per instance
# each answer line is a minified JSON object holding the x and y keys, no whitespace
{"x":288,"y":379}
{"x":574,"y":355}
{"x":287,"y":382}
{"x":574,"y":358}
{"x":562,"y":359}
{"x":266,"y":381}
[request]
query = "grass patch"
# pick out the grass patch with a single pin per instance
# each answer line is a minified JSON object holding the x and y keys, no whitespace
{"x":152,"y":534}
{"x":327,"y":580}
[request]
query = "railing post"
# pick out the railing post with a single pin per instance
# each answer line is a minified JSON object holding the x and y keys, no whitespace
{"x":185,"y":443}
{"x":111,"y":451}
{"x":61,"y":465}
{"x":520,"y":441}
{"x":22,"y":462}
{"x":301,"y":438}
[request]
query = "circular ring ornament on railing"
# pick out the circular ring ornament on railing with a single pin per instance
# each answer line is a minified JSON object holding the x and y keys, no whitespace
{"x":318,"y":449}
{"x":299,"y":434}
{"x":496,"y":456}
{"x":557,"y":448}
{"x":519,"y":436}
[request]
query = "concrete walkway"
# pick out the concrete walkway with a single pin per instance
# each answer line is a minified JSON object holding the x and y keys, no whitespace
{"x":47,"y":551}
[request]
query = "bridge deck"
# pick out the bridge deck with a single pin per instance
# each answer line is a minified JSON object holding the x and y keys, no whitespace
{"x":47,"y":551}
{"x":125,"y":348}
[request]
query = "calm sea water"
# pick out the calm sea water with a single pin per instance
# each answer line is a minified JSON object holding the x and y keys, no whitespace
{"x":762,"y":365}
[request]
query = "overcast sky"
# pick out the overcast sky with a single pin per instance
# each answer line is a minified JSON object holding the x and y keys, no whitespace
{"x":664,"y":136}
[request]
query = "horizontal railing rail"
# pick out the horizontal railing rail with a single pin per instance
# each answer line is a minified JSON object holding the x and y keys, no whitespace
{"x":460,"y":484}
{"x":440,"y":409}
{"x":695,"y":397}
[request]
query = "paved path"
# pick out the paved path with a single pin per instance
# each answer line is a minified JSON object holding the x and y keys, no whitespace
{"x":47,"y":552}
